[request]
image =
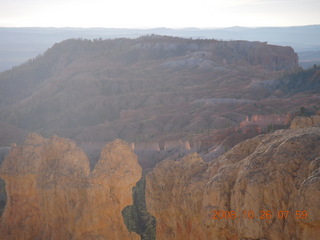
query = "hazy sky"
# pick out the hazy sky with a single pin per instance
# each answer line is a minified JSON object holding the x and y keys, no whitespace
{"x":164,"y":13}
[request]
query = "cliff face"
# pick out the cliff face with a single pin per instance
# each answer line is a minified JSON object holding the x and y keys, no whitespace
{"x":303,"y":122}
{"x":264,"y":120}
{"x":53,"y":195}
{"x":274,"y":57}
{"x":206,"y":54}
{"x":276,"y":172}
{"x":269,"y":57}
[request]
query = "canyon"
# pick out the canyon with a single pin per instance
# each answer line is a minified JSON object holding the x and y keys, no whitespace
{"x":258,"y":123}
{"x":151,"y":89}
{"x":207,"y":126}
{"x":168,"y":96}
{"x":270,"y":183}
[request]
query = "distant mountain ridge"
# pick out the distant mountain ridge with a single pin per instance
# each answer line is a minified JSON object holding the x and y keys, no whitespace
{"x":154,"y":89}
{"x":20,"y":44}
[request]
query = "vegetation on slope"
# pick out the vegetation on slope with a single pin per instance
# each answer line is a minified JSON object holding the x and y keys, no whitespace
{"x":3,"y":196}
{"x":136,"y":216}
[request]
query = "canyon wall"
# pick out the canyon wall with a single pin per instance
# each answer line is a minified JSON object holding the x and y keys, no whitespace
{"x":263,"y":188}
{"x":53,"y":195}
{"x":204,"y":52}
{"x":167,"y":145}
{"x":251,"y":126}
{"x":264,"y":120}
{"x":302,"y":122}
{"x":273,"y":57}
{"x":269,"y":57}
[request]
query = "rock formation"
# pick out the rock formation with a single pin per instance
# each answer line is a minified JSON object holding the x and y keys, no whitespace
{"x":259,"y":179}
{"x":302,"y":122}
{"x":53,"y":195}
{"x":264,"y":120}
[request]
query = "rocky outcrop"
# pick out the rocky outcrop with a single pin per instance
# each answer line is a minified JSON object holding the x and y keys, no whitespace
{"x":263,"y":188}
{"x":273,"y":57}
{"x":166,"y":145}
{"x":303,"y":122}
{"x":264,"y":120}
{"x":52,"y":194}
{"x":269,"y":57}
{"x":207,"y":54}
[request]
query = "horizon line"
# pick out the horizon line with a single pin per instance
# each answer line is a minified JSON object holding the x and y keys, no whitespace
{"x":171,"y":28}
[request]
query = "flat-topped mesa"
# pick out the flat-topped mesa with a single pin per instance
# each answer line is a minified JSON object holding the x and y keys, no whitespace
{"x":210,"y":52}
{"x":273,"y":57}
{"x":182,"y":52}
{"x":269,"y":57}
{"x":53,"y":195}
{"x":135,"y":89}
{"x":263,"y":188}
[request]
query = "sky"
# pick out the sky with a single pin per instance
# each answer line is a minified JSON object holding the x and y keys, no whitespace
{"x":158,"y":13}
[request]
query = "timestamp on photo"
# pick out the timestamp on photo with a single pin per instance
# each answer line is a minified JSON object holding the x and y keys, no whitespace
{"x":263,"y":215}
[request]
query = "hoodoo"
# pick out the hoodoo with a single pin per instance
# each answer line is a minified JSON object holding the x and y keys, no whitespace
{"x":53,"y":195}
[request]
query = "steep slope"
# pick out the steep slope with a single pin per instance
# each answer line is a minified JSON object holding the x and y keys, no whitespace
{"x":300,"y":82}
{"x":263,"y":188}
{"x":53,"y":195}
{"x":135,"y":88}
{"x":155,"y":89}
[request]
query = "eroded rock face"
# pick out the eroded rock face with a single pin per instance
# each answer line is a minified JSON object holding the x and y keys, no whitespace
{"x":303,"y":122}
{"x":274,"y":172}
{"x":264,"y":120}
{"x":53,"y":195}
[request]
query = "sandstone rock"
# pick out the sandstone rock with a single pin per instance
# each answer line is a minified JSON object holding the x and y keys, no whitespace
{"x":264,"y":120}
{"x":302,"y":122}
{"x":273,"y":57}
{"x":275,"y":172}
{"x":53,"y":195}
{"x":174,"y":194}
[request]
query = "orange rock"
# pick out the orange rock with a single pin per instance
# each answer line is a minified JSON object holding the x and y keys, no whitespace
{"x":302,"y":122}
{"x":260,"y":178}
{"x":53,"y":195}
